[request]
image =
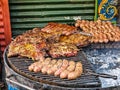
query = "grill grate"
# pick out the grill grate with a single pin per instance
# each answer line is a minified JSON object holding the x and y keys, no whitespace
{"x":20,"y":65}
{"x":109,"y":45}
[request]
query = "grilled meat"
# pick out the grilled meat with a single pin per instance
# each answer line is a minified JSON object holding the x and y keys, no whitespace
{"x":62,"y":49}
{"x":55,"y":67}
{"x":101,"y":31}
{"x":77,"y":72}
{"x":60,"y":68}
{"x":34,"y":43}
{"x":63,"y":29}
{"x":75,"y":39}
{"x":31,"y":44}
{"x":34,"y":51}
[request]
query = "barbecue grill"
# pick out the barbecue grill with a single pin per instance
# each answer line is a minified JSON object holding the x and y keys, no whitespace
{"x":19,"y":70}
{"x":23,"y":18}
{"x":19,"y":77}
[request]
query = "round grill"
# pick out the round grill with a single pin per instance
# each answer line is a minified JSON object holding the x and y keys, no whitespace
{"x":20,"y":65}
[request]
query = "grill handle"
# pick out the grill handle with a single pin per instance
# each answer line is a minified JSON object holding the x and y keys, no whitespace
{"x":104,"y":75}
{"x":89,"y":72}
{"x":107,"y":76}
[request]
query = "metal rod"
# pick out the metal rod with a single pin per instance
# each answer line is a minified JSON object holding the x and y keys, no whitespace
{"x":19,"y":84}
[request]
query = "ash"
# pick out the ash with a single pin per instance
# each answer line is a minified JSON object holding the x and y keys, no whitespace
{"x":105,"y":61}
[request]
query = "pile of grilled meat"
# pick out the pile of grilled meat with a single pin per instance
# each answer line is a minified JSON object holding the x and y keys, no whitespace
{"x":57,"y":40}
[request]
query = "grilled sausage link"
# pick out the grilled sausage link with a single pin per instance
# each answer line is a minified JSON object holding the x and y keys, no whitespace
{"x":47,"y":67}
{"x":62,"y":68}
{"x":78,"y":71}
{"x":71,"y":66}
{"x":64,"y":74}
{"x":69,"y":69}
{"x":31,"y":67}
{"x":55,"y":67}
{"x":39,"y":66}
{"x":48,"y":61}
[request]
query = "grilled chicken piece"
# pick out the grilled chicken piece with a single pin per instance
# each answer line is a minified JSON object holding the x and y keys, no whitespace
{"x":62,"y":49}
{"x":75,"y":39}
{"x":63,"y":29}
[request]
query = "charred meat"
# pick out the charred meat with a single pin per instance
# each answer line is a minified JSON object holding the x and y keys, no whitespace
{"x":62,"y":49}
{"x":75,"y":39}
{"x":63,"y":29}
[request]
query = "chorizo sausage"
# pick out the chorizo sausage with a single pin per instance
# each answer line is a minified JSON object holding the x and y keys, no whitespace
{"x":55,"y":67}
{"x":43,"y":70}
{"x":78,"y":71}
{"x":63,"y":67}
{"x":71,"y":66}
{"x":38,"y":67}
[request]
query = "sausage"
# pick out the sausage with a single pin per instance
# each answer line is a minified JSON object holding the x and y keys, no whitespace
{"x":31,"y":67}
{"x":105,"y":38}
{"x":74,"y":74}
{"x":110,"y":37}
{"x":47,"y":67}
{"x":55,"y":67}
{"x":78,"y":71}
{"x":53,"y":62}
{"x":71,"y":66}
{"x":78,"y":64}
{"x":39,"y":66}
{"x":117,"y":35}
{"x":69,"y":69}
{"x":43,"y":70}
{"x":117,"y":38}
{"x":100,"y":38}
{"x":111,"y":26}
{"x":96,"y":40}
{"x":63,"y":67}
{"x":82,"y":25}
{"x":91,"y":40}
{"x":64,"y":74}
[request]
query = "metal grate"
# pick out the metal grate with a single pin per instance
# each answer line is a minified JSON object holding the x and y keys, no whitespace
{"x":20,"y":65}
